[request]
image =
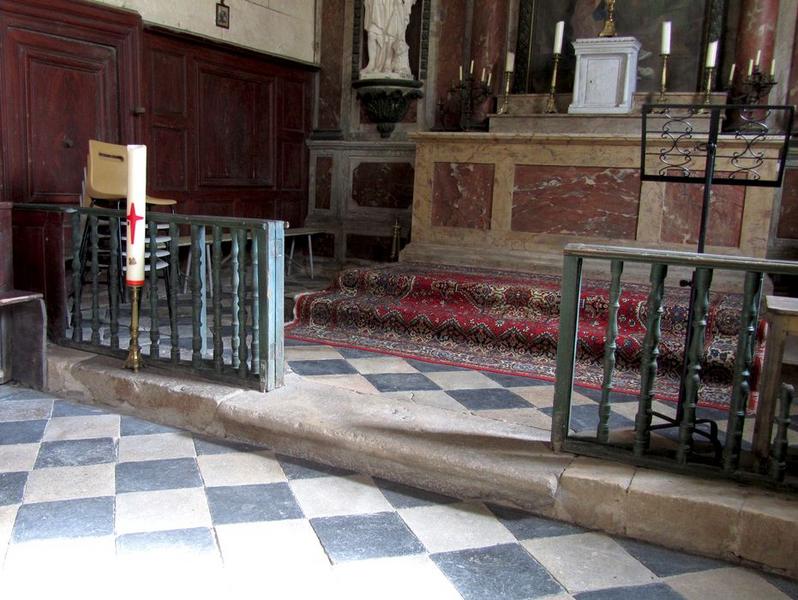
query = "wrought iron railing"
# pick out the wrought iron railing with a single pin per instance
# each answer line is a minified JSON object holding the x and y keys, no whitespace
{"x":731,"y":456}
{"x":229,"y":327}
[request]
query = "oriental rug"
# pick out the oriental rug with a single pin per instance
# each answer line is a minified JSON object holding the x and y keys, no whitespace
{"x":508,"y":322}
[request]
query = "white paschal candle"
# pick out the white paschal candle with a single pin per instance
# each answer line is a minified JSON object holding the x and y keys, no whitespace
{"x":773,"y":67}
{"x":136,"y":207}
{"x":558,"y":31}
{"x":712,"y":54}
{"x":509,"y":64}
{"x":666,"y":38}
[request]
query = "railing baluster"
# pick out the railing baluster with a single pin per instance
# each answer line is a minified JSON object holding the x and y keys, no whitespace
{"x":77,"y":278}
{"x":255,"y":303}
{"x":242,"y":303}
{"x":603,"y":429}
{"x":746,"y":344}
{"x":197,"y":250}
{"x":702,"y":279}
{"x":218,"y":347}
{"x":234,"y":259}
{"x":155,"y":333}
{"x":95,"y":283}
{"x":571,"y":288}
{"x":113,"y":281}
{"x":648,"y":364}
{"x":778,"y":461}
{"x":174,"y":276}
{"x":274,"y":296}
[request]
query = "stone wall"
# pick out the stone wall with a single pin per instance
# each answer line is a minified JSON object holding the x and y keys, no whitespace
{"x":282,"y":27}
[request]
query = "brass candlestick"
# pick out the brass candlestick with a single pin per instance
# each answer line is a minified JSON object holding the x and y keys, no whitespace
{"x":663,"y":84}
{"x":508,"y":80}
{"x":395,"y":239}
{"x":756,"y":86}
{"x":609,"y":24}
{"x":134,"y":352}
{"x":708,"y":85}
{"x":551,"y":106}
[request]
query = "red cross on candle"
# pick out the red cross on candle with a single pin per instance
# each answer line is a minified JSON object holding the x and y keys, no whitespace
{"x":133,"y":219}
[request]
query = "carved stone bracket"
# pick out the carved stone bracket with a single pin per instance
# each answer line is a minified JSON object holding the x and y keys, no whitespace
{"x":386,"y":100}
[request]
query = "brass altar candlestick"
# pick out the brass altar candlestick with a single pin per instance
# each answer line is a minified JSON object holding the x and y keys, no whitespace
{"x":663,"y":84}
{"x":134,"y":352}
{"x":395,"y":240}
{"x":508,"y":80}
{"x":551,"y":106}
{"x":708,"y":85}
{"x":609,"y":24}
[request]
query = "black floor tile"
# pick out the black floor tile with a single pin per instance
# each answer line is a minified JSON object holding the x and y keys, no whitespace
{"x":86,"y":517}
{"x":216,"y":446}
{"x":199,"y":540}
{"x":489,"y":399}
{"x":76,"y":453}
{"x":358,"y":353}
{"x":65,"y":408}
{"x":525,"y":526}
{"x":169,"y":474}
{"x":404,"y":496}
{"x":506,"y":571}
{"x":664,"y":563}
{"x":654,"y":591}
{"x":431,"y":367}
{"x":298,"y":468}
{"x":358,"y":537}
{"x":252,"y":503}
{"x":595,"y":395}
{"x":584,"y":417}
{"x":401,"y":382}
{"x":22,"y":432}
{"x":515,"y":380}
{"x":336,"y":366}
{"x":12,"y":486}
{"x":133,"y":426}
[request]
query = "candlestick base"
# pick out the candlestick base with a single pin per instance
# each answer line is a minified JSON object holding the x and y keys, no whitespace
{"x":133,"y":360}
{"x":663,"y":85}
{"x":508,"y":79}
{"x":609,"y":24}
{"x":551,"y":106}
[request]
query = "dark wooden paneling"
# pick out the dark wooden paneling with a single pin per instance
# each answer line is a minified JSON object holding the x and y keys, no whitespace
{"x":168,"y":158}
{"x":6,"y":273}
{"x":170,"y":97}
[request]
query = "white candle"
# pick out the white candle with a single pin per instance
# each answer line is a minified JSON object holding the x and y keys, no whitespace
{"x":558,"y":31}
{"x":750,"y":66}
{"x":136,"y":207}
{"x":758,"y":57}
{"x":731,"y":73}
{"x":482,"y":78}
{"x":490,"y":74}
{"x":471,"y":68}
{"x":666,"y":38}
{"x":773,"y":67}
{"x":461,"y":72}
{"x":509,"y":64}
{"x":712,"y":54}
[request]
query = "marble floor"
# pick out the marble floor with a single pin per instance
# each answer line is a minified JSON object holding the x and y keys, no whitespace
{"x":94,"y":503}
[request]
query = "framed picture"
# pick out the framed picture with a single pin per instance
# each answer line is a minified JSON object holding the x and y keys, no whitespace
{"x":223,"y":15}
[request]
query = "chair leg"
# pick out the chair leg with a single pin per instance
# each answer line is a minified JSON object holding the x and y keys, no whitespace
{"x":310,"y":255}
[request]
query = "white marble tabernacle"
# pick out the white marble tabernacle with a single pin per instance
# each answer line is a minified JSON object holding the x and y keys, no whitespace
{"x":606,"y":75}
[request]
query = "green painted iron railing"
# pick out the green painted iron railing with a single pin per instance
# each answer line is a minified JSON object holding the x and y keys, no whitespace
{"x":228,"y":328}
{"x":729,"y":457}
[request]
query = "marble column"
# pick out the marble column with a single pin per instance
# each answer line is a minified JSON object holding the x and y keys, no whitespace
{"x":330,"y":75}
{"x":756,"y":31}
{"x":487,"y":46}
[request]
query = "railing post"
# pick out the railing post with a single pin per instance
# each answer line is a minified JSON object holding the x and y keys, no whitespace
{"x":614,"y":300}
{"x":570,"y":292}
{"x":77,"y":278}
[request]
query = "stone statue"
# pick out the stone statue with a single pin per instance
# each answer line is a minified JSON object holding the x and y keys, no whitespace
{"x":385,"y":22}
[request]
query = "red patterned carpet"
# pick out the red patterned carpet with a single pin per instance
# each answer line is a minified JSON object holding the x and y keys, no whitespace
{"x":508,"y":322}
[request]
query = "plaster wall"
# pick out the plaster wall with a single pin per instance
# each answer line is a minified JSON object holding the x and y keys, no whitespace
{"x":285,"y":28}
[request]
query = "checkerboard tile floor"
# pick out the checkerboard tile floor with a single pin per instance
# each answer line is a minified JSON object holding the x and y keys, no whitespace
{"x":79,"y":483}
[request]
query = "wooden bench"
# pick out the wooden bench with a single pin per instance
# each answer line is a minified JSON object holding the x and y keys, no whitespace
{"x":23,"y":338}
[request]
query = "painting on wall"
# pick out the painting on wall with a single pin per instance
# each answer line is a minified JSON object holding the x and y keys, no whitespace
{"x":641,"y":19}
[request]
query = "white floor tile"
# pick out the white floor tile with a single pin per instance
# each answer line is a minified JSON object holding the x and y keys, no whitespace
{"x":381,"y":364}
{"x":67,"y":483}
{"x":83,"y":427}
{"x":17,"y":457}
{"x":240,"y":468}
{"x":162,"y":510}
{"x":462,"y":380}
{"x":721,"y":584}
{"x":156,"y":446}
{"x":329,"y":496}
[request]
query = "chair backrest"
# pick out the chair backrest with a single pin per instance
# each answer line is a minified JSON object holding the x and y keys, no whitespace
{"x":106,"y":171}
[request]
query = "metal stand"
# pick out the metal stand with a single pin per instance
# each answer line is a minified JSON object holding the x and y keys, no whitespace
{"x":677,"y":146}
{"x":134,"y":351}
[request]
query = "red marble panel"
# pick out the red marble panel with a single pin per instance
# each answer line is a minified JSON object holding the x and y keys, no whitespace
{"x":788,"y":217}
{"x":681,"y":216}
{"x":452,"y":15}
{"x":383,"y":184}
{"x":332,"y":53}
{"x":462,"y":195}
{"x":324,"y":165}
{"x":590,"y":201}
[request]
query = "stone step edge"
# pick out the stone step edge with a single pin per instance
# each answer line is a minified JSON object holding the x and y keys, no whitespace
{"x":453,"y":453}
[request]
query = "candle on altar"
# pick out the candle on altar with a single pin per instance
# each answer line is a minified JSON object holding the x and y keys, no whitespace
{"x":482,"y":78}
{"x":136,"y":207}
{"x":490,"y":74}
{"x":750,"y":67}
{"x":712,"y":54}
{"x":558,"y":32}
{"x":666,"y":38}
{"x":509,"y":64}
{"x":461,"y":72}
{"x":773,"y":68}
{"x":758,"y":57}
{"x":731,"y":73}
{"x":471,"y":68}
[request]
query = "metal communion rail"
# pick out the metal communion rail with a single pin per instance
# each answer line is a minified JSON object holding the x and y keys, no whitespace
{"x":729,"y":457}
{"x":228,"y":328}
